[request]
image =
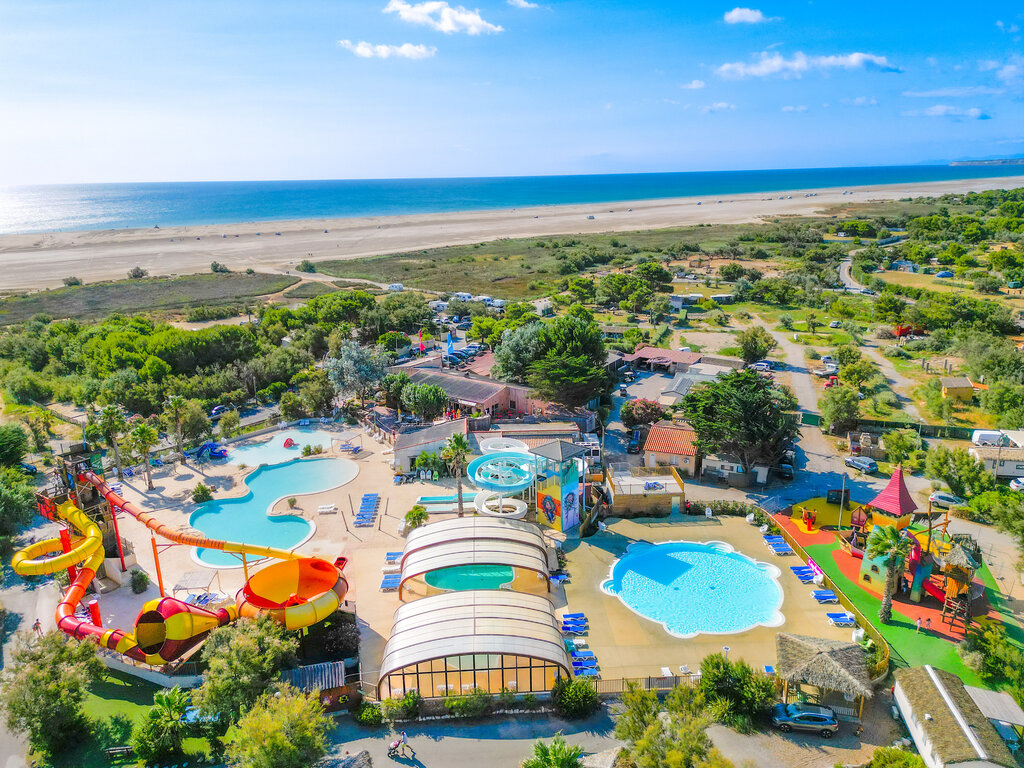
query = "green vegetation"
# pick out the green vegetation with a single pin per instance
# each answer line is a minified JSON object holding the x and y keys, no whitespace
{"x":576,"y":698}
{"x":309,"y":290}
{"x":557,"y":754}
{"x":889,"y":544}
{"x":202,"y":493}
{"x":456,"y":453}
{"x":98,"y":300}
{"x":139,"y":581}
{"x":160,"y":735}
{"x":416,"y":516}
{"x":639,"y":412}
{"x":283,"y":729}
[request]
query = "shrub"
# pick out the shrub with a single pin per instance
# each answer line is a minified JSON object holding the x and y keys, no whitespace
{"x":405,"y":708}
{"x":369,"y":715}
{"x":312,"y":450}
{"x":201,"y":493}
{"x":575,"y":698}
{"x":306,"y":266}
{"x":72,"y":280}
{"x":416,"y":516}
{"x":292,"y":502}
{"x":140,"y":581}
{"x":530,"y":701}
{"x":342,"y":640}
{"x":476,"y":703}
{"x":216,"y":267}
{"x":137,"y":272}
{"x":733,"y":691}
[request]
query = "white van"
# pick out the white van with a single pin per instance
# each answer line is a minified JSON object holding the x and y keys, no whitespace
{"x":437,"y":305}
{"x":396,"y":287}
{"x":498,"y":303}
{"x":461,"y":296}
{"x":987,"y":437}
{"x":485,"y":300}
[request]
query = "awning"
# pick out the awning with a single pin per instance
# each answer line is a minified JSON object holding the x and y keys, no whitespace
{"x":195,"y":580}
{"x":996,"y":706}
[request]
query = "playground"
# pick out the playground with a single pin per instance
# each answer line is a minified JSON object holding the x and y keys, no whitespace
{"x":945,"y":579}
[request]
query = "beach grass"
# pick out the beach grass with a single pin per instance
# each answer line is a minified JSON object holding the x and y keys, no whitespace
{"x":95,"y":301}
{"x":310,"y":290}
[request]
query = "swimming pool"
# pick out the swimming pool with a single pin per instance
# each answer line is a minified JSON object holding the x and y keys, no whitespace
{"x":272,"y":451}
{"x":245,"y":518}
{"x":462,"y":577}
{"x":693,"y":588}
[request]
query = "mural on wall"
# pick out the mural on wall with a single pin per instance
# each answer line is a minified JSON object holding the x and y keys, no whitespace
{"x":558,"y":497}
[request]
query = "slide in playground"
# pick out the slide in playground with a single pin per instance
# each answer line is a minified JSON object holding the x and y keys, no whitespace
{"x":297,"y":592}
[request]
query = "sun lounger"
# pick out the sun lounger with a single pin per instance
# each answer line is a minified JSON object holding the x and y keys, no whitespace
{"x":769,"y":670}
{"x":684,"y":669}
{"x":573,"y":616}
{"x":824,"y":596}
{"x":666,"y":672}
{"x":579,"y":645}
{"x":303,"y":422}
{"x":582,"y":654}
{"x":390,"y":569}
{"x":392,"y":557}
{"x":389,"y":586}
{"x":783,"y":550}
{"x":574,"y":630}
{"x":584,"y":664}
{"x":768,"y":538}
{"x":571,"y":622}
{"x":591,"y":672}
{"x":363,"y":523}
{"x":806,"y":577}
{"x":558,"y":578}
{"x":843,"y":619}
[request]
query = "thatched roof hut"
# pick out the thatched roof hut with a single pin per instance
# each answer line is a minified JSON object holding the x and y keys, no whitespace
{"x":833,"y":665}
{"x":959,"y":557}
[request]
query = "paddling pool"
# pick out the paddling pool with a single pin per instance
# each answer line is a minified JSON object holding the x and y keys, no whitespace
{"x":245,"y":519}
{"x":272,"y":451}
{"x":463,"y":577}
{"x":693,"y":588}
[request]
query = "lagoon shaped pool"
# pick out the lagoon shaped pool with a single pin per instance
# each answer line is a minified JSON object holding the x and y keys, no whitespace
{"x":272,"y":451}
{"x":245,"y":519}
{"x":693,"y":588}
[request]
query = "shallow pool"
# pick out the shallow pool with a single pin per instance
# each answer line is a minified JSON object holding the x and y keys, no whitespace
{"x":245,"y":518}
{"x":272,"y":451}
{"x":692,"y":588}
{"x":462,"y":577}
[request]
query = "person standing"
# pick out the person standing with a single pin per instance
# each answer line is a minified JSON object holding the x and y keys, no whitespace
{"x":38,"y":628}
{"x":405,"y":743}
{"x":917,"y":625}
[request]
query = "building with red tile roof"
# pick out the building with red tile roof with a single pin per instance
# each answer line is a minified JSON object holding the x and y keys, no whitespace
{"x":671,"y":444}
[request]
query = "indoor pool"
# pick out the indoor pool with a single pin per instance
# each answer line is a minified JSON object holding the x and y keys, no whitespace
{"x":245,"y":518}
{"x":692,"y":588}
{"x":272,"y":451}
{"x":462,"y":577}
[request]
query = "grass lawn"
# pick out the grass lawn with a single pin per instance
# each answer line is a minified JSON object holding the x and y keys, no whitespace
{"x":310,"y":290}
{"x":942,"y":285}
{"x":97,"y":300}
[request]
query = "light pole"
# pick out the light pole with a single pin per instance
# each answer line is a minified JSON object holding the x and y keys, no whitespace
{"x":726,"y":650}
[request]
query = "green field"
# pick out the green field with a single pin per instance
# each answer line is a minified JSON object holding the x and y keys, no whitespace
{"x":95,"y":301}
{"x":309,"y":290}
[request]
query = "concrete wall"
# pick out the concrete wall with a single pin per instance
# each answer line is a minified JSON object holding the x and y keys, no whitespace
{"x":687,"y":465}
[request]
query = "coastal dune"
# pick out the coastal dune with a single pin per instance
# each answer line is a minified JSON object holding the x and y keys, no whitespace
{"x":37,"y":261}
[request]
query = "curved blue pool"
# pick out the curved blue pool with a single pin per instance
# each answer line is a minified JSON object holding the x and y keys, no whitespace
{"x":272,"y":450}
{"x":245,"y":518}
{"x":693,"y":588}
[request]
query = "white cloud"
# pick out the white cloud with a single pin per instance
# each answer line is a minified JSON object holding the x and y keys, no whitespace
{"x":792,"y":108}
{"x":987,"y":65}
{"x":438,"y":15}
{"x":1012,"y":72}
{"x":746,"y":16}
{"x":948,"y":110}
{"x":693,"y":85}
{"x":1010,"y":29}
{"x":932,"y":61}
{"x":860,"y":101}
{"x":718,"y":106}
{"x":795,"y":66}
{"x":522,"y":4}
{"x":955,"y":92}
{"x":367,"y":50}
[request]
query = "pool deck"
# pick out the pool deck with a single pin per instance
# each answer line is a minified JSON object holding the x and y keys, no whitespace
{"x":628,"y":645}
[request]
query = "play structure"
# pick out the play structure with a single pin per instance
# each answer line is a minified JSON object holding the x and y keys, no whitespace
{"x":212,"y":451}
{"x":297,"y":592}
{"x":289,"y":443}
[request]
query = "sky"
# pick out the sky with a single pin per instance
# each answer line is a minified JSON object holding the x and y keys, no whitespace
{"x":119,"y":91}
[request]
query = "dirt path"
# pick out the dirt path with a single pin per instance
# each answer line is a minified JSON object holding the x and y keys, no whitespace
{"x":896,"y":380}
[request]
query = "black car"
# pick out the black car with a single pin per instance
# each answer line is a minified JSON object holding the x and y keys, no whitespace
{"x":634,"y":442}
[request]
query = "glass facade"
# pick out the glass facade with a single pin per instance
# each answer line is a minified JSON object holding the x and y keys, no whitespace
{"x":461,"y":674}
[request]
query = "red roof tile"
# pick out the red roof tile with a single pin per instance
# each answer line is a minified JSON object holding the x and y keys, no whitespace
{"x":895,"y":499}
{"x":668,"y":438}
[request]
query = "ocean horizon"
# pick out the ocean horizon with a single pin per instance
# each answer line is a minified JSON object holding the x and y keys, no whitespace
{"x":78,"y":207}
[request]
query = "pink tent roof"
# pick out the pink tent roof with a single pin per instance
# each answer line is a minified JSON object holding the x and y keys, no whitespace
{"x":895,"y":499}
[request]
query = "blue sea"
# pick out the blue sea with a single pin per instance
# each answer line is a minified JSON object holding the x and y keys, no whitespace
{"x":74,"y":207}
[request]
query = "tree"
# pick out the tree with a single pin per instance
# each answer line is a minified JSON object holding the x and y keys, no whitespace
{"x":741,"y":414}
{"x":159,"y":734}
{"x":217,"y":268}
{"x":583,"y":289}
{"x":317,"y":392}
{"x":840,"y":409}
{"x":195,"y":423}
{"x":959,"y":470}
{"x":141,"y":439}
{"x":425,"y":400}
{"x":393,"y":341}
{"x":638,"y":412}
{"x":356,"y":370}
{"x":17,"y":505}
{"x":391,"y":386}
{"x":566,"y":379}
{"x":857,"y":373}
{"x":641,"y":707}
{"x":44,"y":685}
{"x":659,"y":308}
{"x":654,"y":276}
{"x":732,"y":271}
{"x":811,"y":318}
{"x":242,"y":659}
{"x":416,"y":516}
{"x":893,"y":547}
{"x":517,"y":351}
{"x":894,"y":757}
{"x":173,"y":410}
{"x":112,"y":424}
{"x":13,"y":444}
{"x":904,"y":446}
{"x":558,"y":754}
{"x":229,"y":425}
{"x":284,"y":729}
{"x":456,"y":451}
{"x":732,"y":688}
{"x":988,"y":284}
{"x":755,"y":344}
{"x":846,"y":354}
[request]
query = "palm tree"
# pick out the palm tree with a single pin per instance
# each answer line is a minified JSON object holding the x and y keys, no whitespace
{"x":558,"y":754}
{"x":892,"y":547}
{"x":167,"y":727}
{"x":173,"y":409}
{"x":455,"y":453}
{"x":111,"y":424}
{"x":141,"y":440}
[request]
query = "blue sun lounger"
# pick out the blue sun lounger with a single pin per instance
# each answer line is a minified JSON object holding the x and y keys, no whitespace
{"x":392,"y":557}
{"x":567,"y":616}
{"x":782,"y":549}
{"x":389,"y":584}
{"x":843,"y":619}
{"x":582,"y":655}
{"x":585,"y":664}
{"x":574,"y":621}
{"x":769,"y":670}
{"x":574,"y":629}
{"x":824,"y":596}
{"x":586,"y":672}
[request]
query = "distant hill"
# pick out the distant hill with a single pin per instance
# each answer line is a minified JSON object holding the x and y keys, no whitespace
{"x":1004,"y":161}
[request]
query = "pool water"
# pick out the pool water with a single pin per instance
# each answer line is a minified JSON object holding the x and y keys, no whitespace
{"x":245,"y":518}
{"x":693,"y":588}
{"x":272,"y":451}
{"x":462,"y":577}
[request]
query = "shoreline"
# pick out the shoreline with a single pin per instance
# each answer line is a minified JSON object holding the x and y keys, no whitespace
{"x":41,"y":260}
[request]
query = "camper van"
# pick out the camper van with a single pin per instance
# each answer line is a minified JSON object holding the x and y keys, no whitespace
{"x":437,"y":305}
{"x":485,"y":300}
{"x":462,"y":296}
{"x":987,"y":437}
{"x":498,"y":303}
{"x":396,"y":287}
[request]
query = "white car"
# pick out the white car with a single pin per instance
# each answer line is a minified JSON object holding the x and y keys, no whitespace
{"x":834,"y":324}
{"x":945,"y":500}
{"x":1017,"y":484}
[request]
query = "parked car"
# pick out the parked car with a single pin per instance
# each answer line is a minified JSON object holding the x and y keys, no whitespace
{"x":834,"y":324}
{"x":1017,"y":484}
{"x":945,"y":500}
{"x":826,"y":359}
{"x":634,"y":442}
{"x":219,"y":410}
{"x":786,"y":471}
{"x":762,"y":366}
{"x":805,"y":717}
{"x":862,"y":463}
{"x":28,"y":469}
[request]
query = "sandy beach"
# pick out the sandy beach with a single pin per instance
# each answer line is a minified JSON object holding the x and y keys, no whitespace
{"x":36,"y":261}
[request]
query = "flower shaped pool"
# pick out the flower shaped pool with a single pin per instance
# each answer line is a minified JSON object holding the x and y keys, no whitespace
{"x":693,"y":588}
